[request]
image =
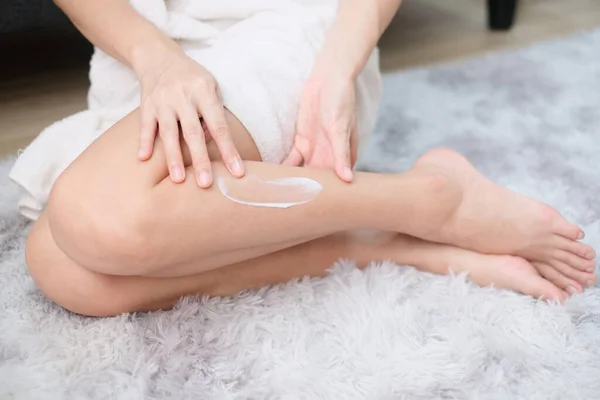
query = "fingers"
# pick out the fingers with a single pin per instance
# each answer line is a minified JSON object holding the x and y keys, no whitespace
{"x":293,"y":159}
{"x":169,"y":133}
{"x":147,"y":132}
{"x":353,"y":146}
{"x":214,"y":116}
{"x":193,"y":134}
{"x":173,"y":104}
{"x":340,"y":143}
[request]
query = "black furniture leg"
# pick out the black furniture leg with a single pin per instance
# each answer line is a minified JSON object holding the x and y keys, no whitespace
{"x":501,"y":14}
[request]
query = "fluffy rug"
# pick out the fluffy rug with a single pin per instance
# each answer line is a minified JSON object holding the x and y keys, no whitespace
{"x":529,"y":119}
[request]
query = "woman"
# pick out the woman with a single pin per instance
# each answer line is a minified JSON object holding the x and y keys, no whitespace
{"x":123,"y":233}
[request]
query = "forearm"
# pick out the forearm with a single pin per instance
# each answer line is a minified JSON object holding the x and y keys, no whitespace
{"x":355,"y":33}
{"x":116,"y":28}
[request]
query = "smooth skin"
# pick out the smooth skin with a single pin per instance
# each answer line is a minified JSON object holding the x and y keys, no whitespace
{"x":126,"y":238}
{"x":133,"y":224}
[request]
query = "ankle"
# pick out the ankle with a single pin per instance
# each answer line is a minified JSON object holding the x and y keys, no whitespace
{"x":440,"y":197}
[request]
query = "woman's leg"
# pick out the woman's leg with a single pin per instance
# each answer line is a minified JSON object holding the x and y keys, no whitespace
{"x":91,"y":293}
{"x":107,"y":184}
{"x":112,"y":214}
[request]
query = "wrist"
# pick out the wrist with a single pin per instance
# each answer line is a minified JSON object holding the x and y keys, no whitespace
{"x":344,"y":61}
{"x":346,"y":53}
{"x":149,"y":55}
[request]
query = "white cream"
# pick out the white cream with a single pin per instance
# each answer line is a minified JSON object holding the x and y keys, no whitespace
{"x":275,"y":193}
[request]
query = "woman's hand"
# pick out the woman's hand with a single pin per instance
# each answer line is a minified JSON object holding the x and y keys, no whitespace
{"x":326,"y":127}
{"x":326,"y":135}
{"x":178,"y":92}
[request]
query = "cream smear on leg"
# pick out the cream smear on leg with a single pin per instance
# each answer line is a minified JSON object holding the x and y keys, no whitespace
{"x":275,"y":193}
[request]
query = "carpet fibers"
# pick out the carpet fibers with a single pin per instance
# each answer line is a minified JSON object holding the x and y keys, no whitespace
{"x":528,"y":119}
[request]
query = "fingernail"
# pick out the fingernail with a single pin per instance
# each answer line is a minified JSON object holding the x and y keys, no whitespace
{"x":348,"y":173}
{"x":590,"y":283}
{"x":204,"y":178}
{"x":143,"y":152}
{"x":177,"y":172}
{"x":571,"y":290}
{"x":581,"y":235}
{"x":236,"y":167}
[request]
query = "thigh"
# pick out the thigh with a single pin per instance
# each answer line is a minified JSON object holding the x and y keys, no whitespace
{"x":114,"y":155}
{"x":86,"y":292}
{"x":98,"y":205}
{"x":62,"y":280}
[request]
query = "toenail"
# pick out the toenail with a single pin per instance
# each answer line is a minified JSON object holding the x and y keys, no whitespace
{"x":581,"y":235}
{"x":571,"y":290}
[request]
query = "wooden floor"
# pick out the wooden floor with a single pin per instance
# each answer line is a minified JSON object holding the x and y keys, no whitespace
{"x":50,"y":82}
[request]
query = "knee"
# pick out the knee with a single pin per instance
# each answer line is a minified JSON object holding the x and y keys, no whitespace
{"x":100,"y":230}
{"x":74,"y":288}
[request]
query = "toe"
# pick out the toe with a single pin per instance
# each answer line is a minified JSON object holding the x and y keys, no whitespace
{"x":561,"y":281}
{"x":542,"y":288}
{"x":517,"y":274}
{"x":568,"y":230}
{"x":584,"y":278}
{"x":581,"y":249}
{"x":572,"y":260}
{"x":538,"y":287}
{"x":591,"y":280}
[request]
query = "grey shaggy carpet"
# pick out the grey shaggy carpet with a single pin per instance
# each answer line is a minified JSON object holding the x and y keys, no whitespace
{"x":528,"y":119}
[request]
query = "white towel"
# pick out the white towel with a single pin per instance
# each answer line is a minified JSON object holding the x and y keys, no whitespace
{"x":260,"y":52}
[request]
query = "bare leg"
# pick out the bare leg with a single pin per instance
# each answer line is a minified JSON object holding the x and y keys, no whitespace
{"x":114,"y":215}
{"x":97,"y":213}
{"x":96,"y":294}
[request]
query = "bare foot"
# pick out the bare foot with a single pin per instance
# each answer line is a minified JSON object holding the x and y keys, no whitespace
{"x":504,"y":272}
{"x":512,"y":273}
{"x":494,"y":220}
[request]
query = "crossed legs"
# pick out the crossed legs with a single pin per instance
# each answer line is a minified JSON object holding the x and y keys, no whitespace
{"x":119,"y":236}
